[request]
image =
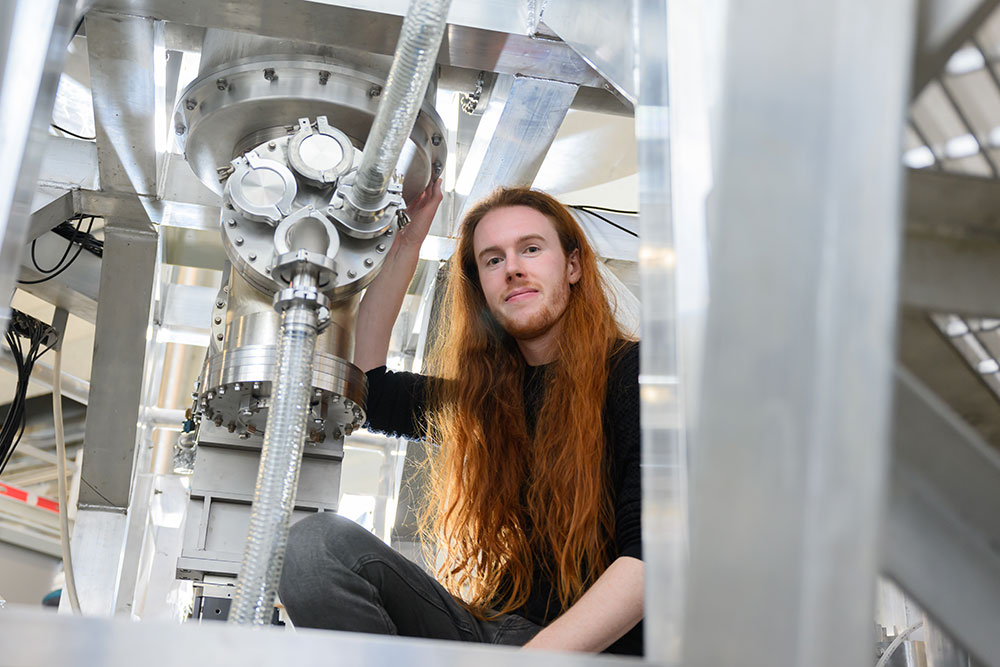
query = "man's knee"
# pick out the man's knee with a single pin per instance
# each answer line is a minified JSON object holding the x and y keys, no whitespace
{"x":317,"y":540}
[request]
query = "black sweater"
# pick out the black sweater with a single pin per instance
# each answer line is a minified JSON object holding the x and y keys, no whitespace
{"x":396,"y":402}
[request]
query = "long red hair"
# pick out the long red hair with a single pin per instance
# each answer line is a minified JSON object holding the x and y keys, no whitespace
{"x":502,"y":502}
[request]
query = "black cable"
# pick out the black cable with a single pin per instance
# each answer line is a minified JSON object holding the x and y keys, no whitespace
{"x":36,"y":333}
{"x":609,"y":210}
{"x":69,"y":246}
{"x":57,"y":270}
{"x":72,"y":134}
{"x":610,"y":222}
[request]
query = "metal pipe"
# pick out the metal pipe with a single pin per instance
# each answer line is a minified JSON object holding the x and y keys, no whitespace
{"x":278,"y":475}
{"x":412,"y":65}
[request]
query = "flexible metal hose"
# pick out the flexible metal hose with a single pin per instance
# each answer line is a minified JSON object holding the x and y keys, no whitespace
{"x":278,"y":475}
{"x":412,"y":65}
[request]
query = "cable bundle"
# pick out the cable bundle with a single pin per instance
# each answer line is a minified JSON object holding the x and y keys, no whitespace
{"x":40,"y":337}
{"x":74,"y":235}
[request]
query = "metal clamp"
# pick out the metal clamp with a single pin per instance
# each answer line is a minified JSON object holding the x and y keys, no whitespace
{"x":304,"y":296}
{"x":321,"y":155}
{"x":261,"y":189}
{"x":290,"y":264}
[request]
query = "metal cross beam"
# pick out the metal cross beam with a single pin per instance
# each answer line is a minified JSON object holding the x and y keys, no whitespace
{"x":942,"y":530}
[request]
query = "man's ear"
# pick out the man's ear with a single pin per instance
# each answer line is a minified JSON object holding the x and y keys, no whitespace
{"x":573,"y":270}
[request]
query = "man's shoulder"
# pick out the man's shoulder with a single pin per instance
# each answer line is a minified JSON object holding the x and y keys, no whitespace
{"x":624,"y":362}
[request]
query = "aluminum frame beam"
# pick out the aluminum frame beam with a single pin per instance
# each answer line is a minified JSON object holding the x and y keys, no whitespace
{"x":793,"y":431}
{"x":513,"y":136}
{"x":485,"y":45}
{"x":119,"y":357}
{"x":121,"y":51}
{"x":951,"y":259}
{"x":33,"y":38}
{"x":605,"y":43}
{"x":941,"y":536}
{"x":27,"y":638}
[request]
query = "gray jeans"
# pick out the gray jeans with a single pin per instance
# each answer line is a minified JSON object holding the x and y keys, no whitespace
{"x":339,"y":576}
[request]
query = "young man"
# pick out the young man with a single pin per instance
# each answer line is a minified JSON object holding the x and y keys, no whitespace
{"x":532,"y":404}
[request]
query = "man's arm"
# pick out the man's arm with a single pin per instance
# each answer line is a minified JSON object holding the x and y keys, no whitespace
{"x":609,"y":609}
{"x":384,"y":296}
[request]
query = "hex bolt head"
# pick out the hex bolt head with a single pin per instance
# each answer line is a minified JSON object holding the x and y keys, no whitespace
{"x":231,"y":427}
{"x":218,"y":420}
{"x":237,"y":386}
{"x":437,"y":167}
{"x":221,"y":84}
{"x":436,"y":139}
{"x":190,"y":104}
{"x":271,"y":145}
{"x":324,"y":76}
{"x":238,"y":240}
{"x":217,"y":320}
{"x":380,"y":247}
{"x":220,"y":304}
{"x":231,"y":222}
{"x":219,"y":336}
{"x":369,"y":262}
{"x":351,"y":273}
{"x":269,"y":74}
{"x":374,"y":91}
{"x":244,"y":435}
{"x":252,"y":257}
{"x":389,"y":232}
{"x":179,"y":129}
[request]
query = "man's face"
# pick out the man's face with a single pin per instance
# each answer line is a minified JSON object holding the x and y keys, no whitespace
{"x":524,"y":273}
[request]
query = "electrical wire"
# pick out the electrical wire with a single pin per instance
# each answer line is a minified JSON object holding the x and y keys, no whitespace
{"x":36,"y":333}
{"x":605,"y":208}
{"x":57,"y":418}
{"x":60,"y":265}
{"x":900,"y":638}
{"x":586,"y":209}
{"x":72,"y":134}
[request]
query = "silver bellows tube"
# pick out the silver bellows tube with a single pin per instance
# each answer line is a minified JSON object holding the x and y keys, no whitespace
{"x":278,"y":475}
{"x":412,"y":65}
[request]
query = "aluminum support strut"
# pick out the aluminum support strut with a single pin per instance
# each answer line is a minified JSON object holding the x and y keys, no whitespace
{"x":788,"y":475}
{"x":942,"y":530}
{"x":33,"y":38}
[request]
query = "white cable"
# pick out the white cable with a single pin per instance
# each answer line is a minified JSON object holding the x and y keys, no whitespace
{"x":900,"y":638}
{"x":70,"y":584}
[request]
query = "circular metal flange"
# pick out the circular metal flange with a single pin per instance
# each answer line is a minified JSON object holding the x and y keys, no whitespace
{"x":303,"y":86}
{"x":252,"y":246}
{"x":238,"y":387}
{"x":261,"y":189}
{"x":320,"y":155}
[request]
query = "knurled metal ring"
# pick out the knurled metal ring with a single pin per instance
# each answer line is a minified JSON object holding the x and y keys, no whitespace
{"x":312,"y":298}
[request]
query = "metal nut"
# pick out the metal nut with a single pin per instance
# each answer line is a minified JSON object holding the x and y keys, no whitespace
{"x":221,"y":84}
{"x":436,"y":139}
{"x":351,"y":273}
{"x":190,"y":104}
{"x":218,"y":320}
{"x":218,"y":336}
{"x":269,"y":74}
{"x":220,"y":304}
{"x":324,"y":76}
{"x":369,"y":262}
{"x":380,"y":247}
{"x":374,"y":91}
{"x":253,"y":257}
{"x":238,"y":240}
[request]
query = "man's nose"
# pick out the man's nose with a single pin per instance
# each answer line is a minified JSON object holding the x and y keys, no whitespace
{"x":513,"y":266}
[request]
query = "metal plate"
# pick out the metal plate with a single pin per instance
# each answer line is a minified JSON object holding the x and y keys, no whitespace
{"x":235,"y":108}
